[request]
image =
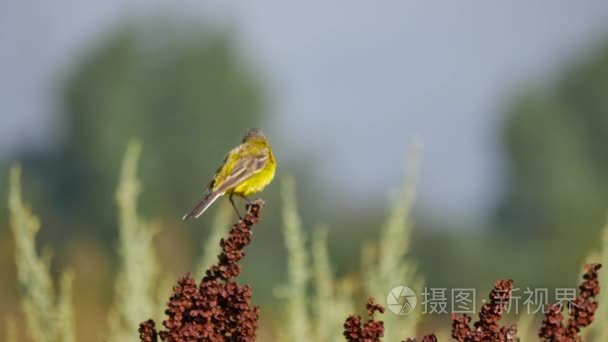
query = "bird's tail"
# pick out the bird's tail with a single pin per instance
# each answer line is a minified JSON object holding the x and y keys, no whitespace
{"x":202,"y":205}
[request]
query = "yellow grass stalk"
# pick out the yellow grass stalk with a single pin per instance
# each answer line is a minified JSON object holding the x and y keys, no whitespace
{"x":525,"y":326}
{"x":333,"y":299}
{"x":11,"y":330}
{"x":392,"y":267}
{"x":135,"y":286}
{"x":47,"y":319}
{"x":298,"y":325}
{"x":65,"y":309}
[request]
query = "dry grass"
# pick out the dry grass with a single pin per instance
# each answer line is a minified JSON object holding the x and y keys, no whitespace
{"x":386,"y":262}
{"x":135,"y":285}
{"x":298,"y":325}
{"x":49,"y":317}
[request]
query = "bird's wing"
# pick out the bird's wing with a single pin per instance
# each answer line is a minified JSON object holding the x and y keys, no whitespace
{"x":245,"y":167}
{"x":202,"y":205}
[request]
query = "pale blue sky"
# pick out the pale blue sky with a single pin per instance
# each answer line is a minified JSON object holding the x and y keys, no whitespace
{"x":365,"y":76}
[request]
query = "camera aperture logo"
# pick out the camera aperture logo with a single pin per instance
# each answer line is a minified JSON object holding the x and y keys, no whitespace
{"x":401,"y":300}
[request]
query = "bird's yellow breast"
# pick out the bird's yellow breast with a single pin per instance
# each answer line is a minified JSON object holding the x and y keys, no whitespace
{"x":257,"y":182}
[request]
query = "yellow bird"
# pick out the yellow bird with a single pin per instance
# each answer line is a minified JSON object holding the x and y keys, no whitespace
{"x":246,"y":170}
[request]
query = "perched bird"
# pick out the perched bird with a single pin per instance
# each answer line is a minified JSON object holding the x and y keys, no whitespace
{"x":246,"y":170}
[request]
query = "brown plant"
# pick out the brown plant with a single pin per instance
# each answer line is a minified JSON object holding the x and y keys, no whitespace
{"x":147,"y":332}
{"x":487,"y":328}
{"x":218,"y":309}
{"x":581,"y":311}
{"x":370,"y":331}
{"x":581,"y":314}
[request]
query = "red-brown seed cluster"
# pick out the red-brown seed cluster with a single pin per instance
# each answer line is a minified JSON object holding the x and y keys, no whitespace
{"x":460,"y":327}
{"x":218,"y":309}
{"x":553,"y":329}
{"x":370,"y":331}
{"x":147,"y":333}
{"x":582,"y":311}
{"x":487,"y":328}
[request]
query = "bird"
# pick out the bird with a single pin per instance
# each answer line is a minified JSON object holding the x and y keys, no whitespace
{"x":247,"y":169}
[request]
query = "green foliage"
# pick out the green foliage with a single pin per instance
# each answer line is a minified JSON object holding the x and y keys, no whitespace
{"x":48,"y":319}
{"x":182,"y":88}
{"x":135,"y":286}
{"x":555,"y":139}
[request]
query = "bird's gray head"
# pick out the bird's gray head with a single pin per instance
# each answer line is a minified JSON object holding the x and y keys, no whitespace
{"x":254,"y":133}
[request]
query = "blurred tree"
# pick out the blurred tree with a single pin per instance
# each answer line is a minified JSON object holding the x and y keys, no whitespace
{"x":556,"y":142}
{"x":183,"y":89}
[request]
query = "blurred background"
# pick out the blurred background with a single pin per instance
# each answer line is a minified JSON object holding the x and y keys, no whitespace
{"x":509,"y":99}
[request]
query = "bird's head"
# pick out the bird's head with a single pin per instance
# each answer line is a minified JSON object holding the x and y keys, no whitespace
{"x":254,"y":134}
